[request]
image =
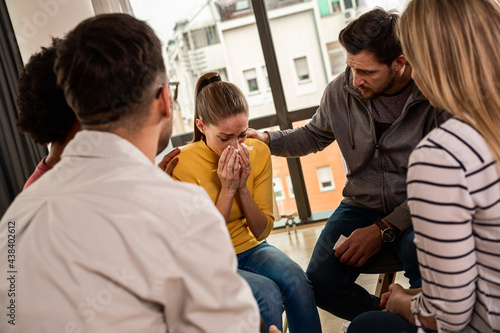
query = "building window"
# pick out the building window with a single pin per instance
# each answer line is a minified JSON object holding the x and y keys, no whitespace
{"x":222,"y":74}
{"x":302,"y":69}
{"x":335,"y":6}
{"x":251,"y":78}
{"x":205,"y":36}
{"x":290,"y":186}
{"x":337,"y":57}
{"x":348,"y":4}
{"x":241,"y":5}
{"x":279,"y":194}
{"x":325,"y":179}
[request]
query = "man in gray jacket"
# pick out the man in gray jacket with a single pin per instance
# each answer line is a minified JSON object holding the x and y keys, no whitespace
{"x":377,"y":115}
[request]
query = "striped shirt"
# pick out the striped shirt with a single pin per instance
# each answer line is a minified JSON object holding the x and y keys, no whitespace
{"x":454,"y":200}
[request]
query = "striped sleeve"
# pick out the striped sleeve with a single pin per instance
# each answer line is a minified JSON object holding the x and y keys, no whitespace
{"x":442,"y":210}
{"x":454,"y":200}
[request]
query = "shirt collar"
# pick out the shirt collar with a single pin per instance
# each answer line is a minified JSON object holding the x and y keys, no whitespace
{"x":98,"y":144}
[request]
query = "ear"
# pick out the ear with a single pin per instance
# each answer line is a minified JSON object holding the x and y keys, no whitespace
{"x":398,"y":63}
{"x":201,"y":125}
{"x":165,"y":101}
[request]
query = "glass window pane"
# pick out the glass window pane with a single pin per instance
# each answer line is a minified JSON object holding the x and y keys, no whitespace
{"x":323,"y":196}
{"x":325,"y":179}
{"x":290,"y":186}
{"x":251,"y":79}
{"x":287,"y":205}
{"x":301,"y":68}
{"x":279,"y":194}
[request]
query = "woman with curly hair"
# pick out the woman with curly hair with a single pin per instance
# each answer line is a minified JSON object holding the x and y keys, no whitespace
{"x":43,"y":111}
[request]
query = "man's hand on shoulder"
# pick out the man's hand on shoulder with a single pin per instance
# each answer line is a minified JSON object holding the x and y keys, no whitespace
{"x":360,"y":246}
{"x":262,"y":136}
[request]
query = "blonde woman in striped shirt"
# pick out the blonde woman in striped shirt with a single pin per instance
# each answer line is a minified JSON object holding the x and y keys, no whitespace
{"x":453,"y":178}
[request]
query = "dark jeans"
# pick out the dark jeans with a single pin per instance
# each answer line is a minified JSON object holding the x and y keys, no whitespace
{"x":279,"y":283}
{"x":381,"y":322}
{"x":334,"y":284}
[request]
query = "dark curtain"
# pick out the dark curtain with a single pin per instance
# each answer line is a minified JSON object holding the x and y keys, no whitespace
{"x":19,"y":155}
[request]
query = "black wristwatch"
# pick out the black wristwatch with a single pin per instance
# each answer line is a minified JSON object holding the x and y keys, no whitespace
{"x":387,"y":234}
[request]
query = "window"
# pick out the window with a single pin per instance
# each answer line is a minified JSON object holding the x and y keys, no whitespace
{"x":204,"y":37}
{"x":251,"y":78}
{"x":302,"y":69}
{"x":348,"y":4}
{"x":223,"y":74}
{"x":241,"y":5}
{"x":335,"y":6}
{"x":279,"y":194}
{"x":337,"y":57}
{"x":325,"y":179}
{"x":290,"y":186}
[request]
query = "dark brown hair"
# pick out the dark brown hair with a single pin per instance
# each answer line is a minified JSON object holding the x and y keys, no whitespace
{"x":109,"y":67}
{"x":43,"y":111}
{"x":216,"y":100}
{"x":374,"y":31}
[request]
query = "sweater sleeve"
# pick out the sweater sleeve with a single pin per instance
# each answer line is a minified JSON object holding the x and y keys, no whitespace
{"x":263,"y":186}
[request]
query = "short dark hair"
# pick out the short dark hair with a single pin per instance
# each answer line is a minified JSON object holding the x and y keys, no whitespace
{"x":374,"y":31}
{"x":43,"y":111}
{"x":108,"y":67}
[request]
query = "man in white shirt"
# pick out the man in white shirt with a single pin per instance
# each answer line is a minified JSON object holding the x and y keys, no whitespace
{"x":106,"y":241}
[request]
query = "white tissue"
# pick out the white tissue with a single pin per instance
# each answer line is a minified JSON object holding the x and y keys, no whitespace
{"x":247,"y":147}
{"x":341,"y":239}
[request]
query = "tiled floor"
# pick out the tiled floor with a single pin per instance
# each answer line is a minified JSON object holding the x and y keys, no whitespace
{"x":299,"y":247}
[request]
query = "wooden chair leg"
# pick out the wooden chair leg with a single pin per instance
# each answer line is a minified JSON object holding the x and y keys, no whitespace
{"x":383,"y":282}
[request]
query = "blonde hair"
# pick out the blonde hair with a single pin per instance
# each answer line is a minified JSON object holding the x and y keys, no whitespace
{"x":215,"y":100}
{"x":454,"y":47}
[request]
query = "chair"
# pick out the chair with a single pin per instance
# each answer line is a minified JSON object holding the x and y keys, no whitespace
{"x":386,"y":265}
{"x":290,"y":220}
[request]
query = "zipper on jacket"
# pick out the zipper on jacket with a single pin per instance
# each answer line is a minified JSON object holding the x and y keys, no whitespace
{"x":377,"y":150}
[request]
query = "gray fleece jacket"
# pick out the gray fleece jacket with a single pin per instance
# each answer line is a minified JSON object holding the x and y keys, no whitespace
{"x":376,"y":169}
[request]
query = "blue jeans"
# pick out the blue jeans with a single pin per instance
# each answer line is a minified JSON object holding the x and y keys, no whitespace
{"x":277,"y":281}
{"x":381,"y":322}
{"x":334,"y":284}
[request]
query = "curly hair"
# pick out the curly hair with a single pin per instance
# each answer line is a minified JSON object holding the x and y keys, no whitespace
{"x":374,"y":31}
{"x":43,"y":111}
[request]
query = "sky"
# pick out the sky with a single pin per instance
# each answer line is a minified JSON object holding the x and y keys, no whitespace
{"x":163,"y":14}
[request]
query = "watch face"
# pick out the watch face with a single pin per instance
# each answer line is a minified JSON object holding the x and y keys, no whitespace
{"x":388,"y":235}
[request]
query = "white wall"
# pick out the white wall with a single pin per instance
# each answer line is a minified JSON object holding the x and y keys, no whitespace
{"x":36,"y":21}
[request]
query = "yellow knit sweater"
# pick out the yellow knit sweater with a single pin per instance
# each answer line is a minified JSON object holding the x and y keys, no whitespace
{"x":198,"y":165}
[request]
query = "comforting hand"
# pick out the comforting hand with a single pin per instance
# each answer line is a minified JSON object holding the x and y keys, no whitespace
{"x":228,"y":170}
{"x":262,"y":136}
{"x":361,"y":245}
{"x":164,"y":164}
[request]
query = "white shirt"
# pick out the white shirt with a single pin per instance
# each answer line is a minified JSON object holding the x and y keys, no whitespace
{"x":107,"y":242}
{"x":454,"y":199}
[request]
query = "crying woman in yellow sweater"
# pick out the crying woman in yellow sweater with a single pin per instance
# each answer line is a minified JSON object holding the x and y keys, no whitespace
{"x":236,"y":172}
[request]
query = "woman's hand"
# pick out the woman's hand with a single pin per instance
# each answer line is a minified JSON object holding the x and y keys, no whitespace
{"x":228,"y":170}
{"x":246,"y":169}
